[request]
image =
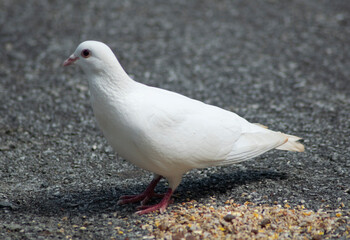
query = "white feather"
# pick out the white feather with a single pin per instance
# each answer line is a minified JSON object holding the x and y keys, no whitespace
{"x":165,"y":132}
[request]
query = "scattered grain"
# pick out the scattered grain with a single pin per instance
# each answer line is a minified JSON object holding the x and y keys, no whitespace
{"x":247,"y":221}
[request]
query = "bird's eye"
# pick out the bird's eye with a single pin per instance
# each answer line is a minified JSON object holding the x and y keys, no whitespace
{"x":85,"y":53}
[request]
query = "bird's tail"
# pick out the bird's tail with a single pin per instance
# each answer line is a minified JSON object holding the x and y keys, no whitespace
{"x":292,"y":144}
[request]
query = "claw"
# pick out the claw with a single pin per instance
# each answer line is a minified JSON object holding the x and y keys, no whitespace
{"x":144,"y":209}
{"x":143,"y":197}
{"x":146,"y":196}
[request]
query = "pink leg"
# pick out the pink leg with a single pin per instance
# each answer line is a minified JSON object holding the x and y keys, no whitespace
{"x":143,"y":197}
{"x":160,"y":206}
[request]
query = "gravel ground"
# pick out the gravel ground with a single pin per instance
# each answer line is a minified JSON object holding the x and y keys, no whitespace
{"x":282,"y":63}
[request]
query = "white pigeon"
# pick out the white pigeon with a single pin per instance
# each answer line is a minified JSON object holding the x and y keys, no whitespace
{"x":164,"y":132}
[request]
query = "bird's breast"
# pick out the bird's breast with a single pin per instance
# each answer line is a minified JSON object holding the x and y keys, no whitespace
{"x":124,"y":134}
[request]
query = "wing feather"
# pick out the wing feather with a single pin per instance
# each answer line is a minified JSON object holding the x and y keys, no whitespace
{"x":250,"y":145}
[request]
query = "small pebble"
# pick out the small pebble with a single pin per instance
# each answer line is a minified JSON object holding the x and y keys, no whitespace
{"x":229,"y":217}
{"x":264,"y":222}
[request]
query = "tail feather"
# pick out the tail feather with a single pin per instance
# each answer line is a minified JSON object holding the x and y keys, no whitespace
{"x":292,"y":144}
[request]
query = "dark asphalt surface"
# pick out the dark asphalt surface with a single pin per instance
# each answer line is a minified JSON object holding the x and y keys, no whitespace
{"x":285,"y":64}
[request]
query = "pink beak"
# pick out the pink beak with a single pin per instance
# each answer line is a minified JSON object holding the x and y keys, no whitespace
{"x":70,"y":60}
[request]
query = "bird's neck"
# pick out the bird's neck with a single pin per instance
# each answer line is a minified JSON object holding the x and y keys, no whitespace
{"x":112,"y":83}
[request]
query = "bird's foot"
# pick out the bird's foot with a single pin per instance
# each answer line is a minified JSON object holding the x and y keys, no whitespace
{"x":143,"y":197}
{"x":144,"y":209}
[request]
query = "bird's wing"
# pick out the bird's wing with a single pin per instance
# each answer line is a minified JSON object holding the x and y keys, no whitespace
{"x":189,"y":132}
{"x":253,"y":144}
{"x":182,"y":130}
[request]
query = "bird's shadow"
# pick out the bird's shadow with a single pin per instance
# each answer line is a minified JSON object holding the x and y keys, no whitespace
{"x":104,"y":200}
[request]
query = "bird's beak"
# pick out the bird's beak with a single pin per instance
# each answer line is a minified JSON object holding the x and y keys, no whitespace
{"x":70,"y":60}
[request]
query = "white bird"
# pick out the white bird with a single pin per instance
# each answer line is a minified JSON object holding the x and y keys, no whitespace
{"x":164,"y":132}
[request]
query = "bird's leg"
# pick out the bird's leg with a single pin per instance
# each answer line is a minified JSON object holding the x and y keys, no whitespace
{"x":144,"y":197}
{"x":160,"y":206}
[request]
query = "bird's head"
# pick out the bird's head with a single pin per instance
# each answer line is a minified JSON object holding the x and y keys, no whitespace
{"x":92,"y":56}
